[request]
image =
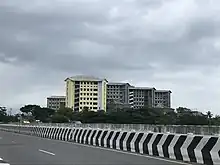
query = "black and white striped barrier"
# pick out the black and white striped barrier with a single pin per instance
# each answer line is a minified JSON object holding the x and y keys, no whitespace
{"x":2,"y":162}
{"x":189,"y":148}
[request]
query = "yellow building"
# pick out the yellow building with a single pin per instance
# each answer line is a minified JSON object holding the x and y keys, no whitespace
{"x":86,"y":91}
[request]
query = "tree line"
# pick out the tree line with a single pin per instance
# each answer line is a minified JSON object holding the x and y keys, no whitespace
{"x":146,"y":115}
{"x":6,"y":117}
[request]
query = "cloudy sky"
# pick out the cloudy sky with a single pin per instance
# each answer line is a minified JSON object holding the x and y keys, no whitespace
{"x":168,"y":44}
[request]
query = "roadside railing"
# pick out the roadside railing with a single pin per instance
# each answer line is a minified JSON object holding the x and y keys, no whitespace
{"x":181,"y":129}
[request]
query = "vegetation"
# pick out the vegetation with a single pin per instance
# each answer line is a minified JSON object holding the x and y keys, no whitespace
{"x":5,"y":118}
{"x":35,"y":112}
{"x":125,"y":115}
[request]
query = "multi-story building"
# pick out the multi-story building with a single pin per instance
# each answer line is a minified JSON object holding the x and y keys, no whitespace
{"x":162,"y":98}
{"x":137,"y":97}
{"x":119,"y":92}
{"x":140,"y":97}
{"x":86,"y":91}
{"x":56,"y":102}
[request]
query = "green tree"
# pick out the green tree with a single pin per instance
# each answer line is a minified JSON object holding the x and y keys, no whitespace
{"x":183,"y":111}
{"x":43,"y":114}
{"x":29,"y":109}
{"x":3,"y":111}
{"x":209,"y":116}
{"x":3,"y":114}
{"x":111,"y":106}
{"x":216,"y":120}
{"x":57,"y":118}
{"x":186,"y":116}
{"x":35,"y":112}
{"x":67,"y":112}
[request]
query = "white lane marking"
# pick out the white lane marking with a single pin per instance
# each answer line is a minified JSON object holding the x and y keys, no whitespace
{"x":46,"y":152}
{"x":108,"y":149}
{"x":4,"y":162}
{"x":0,"y":138}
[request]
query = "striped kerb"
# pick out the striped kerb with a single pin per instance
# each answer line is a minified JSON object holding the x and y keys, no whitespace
{"x":109,"y":138}
{"x":87,"y":137}
{"x":128,"y":143}
{"x":121,"y":140}
{"x":97,"y":138}
{"x":114,"y":140}
{"x":206,"y":150}
{"x":75,"y":135}
{"x":83,"y":135}
{"x":103,"y":137}
{"x":154,"y":145}
{"x":177,"y":147}
{"x":166,"y":144}
{"x":146,"y":141}
{"x":137,"y":141}
{"x":192,"y":147}
{"x":78,"y":137}
{"x":93,"y":134}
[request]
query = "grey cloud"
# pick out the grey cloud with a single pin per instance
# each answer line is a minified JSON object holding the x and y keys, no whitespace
{"x":120,"y":40}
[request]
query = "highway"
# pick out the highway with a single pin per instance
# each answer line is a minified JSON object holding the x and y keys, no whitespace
{"x":29,"y":150}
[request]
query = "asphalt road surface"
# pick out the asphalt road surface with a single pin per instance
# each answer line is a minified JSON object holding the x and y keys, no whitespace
{"x":29,"y":150}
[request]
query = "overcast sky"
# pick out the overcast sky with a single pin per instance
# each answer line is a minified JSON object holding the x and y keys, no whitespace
{"x":168,"y":44}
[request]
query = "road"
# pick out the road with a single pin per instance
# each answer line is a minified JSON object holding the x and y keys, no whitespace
{"x":28,"y":150}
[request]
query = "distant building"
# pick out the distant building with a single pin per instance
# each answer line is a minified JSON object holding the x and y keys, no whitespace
{"x":162,"y":98}
{"x":125,"y":95}
{"x":118,"y":92}
{"x":56,"y":102}
{"x":140,"y":97}
{"x":86,"y":91}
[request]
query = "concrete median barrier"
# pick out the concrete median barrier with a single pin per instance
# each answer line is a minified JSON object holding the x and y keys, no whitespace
{"x":183,"y":147}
